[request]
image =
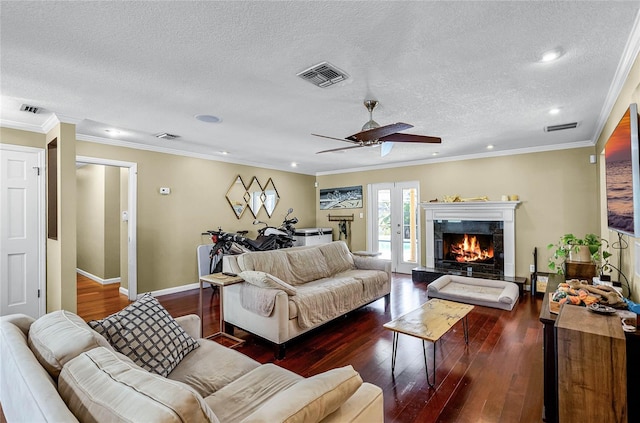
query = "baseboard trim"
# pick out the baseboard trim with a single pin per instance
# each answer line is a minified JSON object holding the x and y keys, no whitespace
{"x":174,"y":290}
{"x":166,"y":291}
{"x":97,"y":278}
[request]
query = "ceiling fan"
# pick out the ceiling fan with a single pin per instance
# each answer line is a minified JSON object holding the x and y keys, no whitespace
{"x":373,"y":134}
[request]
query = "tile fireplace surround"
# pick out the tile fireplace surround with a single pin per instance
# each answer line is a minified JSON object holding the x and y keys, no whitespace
{"x":499,"y":211}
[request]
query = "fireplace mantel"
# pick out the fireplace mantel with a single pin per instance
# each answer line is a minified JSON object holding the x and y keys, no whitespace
{"x":477,"y":210}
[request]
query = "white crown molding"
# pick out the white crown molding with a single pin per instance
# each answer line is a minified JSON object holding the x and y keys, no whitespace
{"x":514,"y":152}
{"x":50,"y":123}
{"x":165,"y":150}
{"x":629,"y":55}
{"x":21,"y":126}
{"x":68,"y":119}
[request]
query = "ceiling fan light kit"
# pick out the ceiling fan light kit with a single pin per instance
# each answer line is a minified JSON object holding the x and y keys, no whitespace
{"x":373,"y":134}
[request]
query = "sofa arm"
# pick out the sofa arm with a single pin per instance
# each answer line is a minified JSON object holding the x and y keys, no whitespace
{"x":191,"y":324}
{"x":311,"y":399}
{"x":372,"y":263}
{"x":274,"y":328}
{"x":365,"y":406}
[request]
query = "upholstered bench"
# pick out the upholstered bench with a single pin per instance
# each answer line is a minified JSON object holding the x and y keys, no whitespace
{"x":483,"y":292}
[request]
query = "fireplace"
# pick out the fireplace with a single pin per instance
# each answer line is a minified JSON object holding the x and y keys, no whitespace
{"x":469,"y":246}
{"x":471,"y":237}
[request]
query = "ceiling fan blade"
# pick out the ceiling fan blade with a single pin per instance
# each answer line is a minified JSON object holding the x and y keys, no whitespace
{"x":378,"y":133}
{"x":340,"y":149}
{"x":337,"y":139}
{"x":385,"y":148}
{"x":411,"y":138}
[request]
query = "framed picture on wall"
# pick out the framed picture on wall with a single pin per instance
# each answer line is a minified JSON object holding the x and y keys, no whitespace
{"x":341,"y":198}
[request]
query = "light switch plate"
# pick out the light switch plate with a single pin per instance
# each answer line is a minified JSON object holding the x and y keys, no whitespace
{"x":165,"y":191}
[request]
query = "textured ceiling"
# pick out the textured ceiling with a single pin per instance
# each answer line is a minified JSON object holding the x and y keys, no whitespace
{"x":468,"y":72}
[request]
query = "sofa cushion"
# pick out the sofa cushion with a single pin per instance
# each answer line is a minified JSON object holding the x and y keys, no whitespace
{"x":325,"y":299}
{"x":60,"y":336}
{"x":246,"y":394}
{"x":265,"y":280}
{"x":374,"y":282}
{"x":145,"y":332}
{"x":97,"y":386}
{"x":337,"y":256}
{"x":295,"y":265}
{"x":309,"y":400}
{"x":212,"y":367}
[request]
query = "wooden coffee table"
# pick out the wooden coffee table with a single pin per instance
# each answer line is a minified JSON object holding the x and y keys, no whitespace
{"x":429,"y":322}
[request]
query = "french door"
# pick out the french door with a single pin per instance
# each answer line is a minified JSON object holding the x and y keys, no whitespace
{"x":393,"y":223}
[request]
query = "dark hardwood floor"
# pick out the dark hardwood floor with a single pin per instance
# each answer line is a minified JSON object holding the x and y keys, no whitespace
{"x":496,"y":378}
{"x":96,"y":301}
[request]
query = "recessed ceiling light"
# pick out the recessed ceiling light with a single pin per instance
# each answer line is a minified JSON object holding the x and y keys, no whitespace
{"x":208,"y":118}
{"x":490,"y":147}
{"x":551,"y":55}
{"x":435,"y":153}
{"x":554,"y":111}
{"x":224,"y":153}
{"x":112,"y":131}
{"x":294,"y":164}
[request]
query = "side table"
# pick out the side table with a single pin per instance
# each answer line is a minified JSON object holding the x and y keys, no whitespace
{"x":221,"y":280}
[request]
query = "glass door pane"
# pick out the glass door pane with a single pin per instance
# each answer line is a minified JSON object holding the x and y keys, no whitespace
{"x":384,"y":223}
{"x":393,"y":228}
{"x":410,"y":226}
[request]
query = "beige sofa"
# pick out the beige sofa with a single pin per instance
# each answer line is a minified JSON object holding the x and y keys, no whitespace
{"x":322,"y":282}
{"x":59,"y":370}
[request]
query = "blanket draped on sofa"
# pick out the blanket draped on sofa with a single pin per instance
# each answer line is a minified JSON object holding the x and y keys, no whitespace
{"x":319,"y":283}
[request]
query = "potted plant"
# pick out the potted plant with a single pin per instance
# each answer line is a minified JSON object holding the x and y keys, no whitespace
{"x":570,"y":247}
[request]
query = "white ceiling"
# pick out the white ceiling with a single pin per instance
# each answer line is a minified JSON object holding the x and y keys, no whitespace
{"x":468,"y":72}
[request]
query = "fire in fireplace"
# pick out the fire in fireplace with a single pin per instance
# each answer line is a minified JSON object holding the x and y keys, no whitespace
{"x":471,"y":248}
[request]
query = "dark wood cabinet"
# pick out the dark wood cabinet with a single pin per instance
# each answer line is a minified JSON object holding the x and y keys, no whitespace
{"x":622,"y":355}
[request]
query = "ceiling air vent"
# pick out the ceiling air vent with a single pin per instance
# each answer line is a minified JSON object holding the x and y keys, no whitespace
{"x":323,"y":75}
{"x":30,"y":109}
{"x":560,"y":127}
{"x":167,"y":136}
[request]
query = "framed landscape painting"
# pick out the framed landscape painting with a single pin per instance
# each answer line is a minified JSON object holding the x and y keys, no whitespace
{"x":341,"y":198}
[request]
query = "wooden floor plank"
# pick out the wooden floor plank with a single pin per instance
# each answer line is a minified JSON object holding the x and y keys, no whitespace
{"x":496,"y":378}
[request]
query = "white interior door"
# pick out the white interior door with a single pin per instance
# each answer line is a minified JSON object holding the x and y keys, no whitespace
{"x":22,"y":231}
{"x":394,"y":224}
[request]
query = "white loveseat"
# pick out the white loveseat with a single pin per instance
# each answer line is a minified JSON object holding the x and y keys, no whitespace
{"x":327,"y":281}
{"x":59,"y":370}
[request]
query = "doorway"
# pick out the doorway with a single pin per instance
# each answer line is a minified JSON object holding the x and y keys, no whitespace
{"x":394,"y":228}
{"x":128,"y":216}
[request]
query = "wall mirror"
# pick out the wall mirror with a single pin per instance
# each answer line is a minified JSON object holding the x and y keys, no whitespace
{"x":270,"y":197}
{"x":254,"y":196}
{"x":236,"y":196}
